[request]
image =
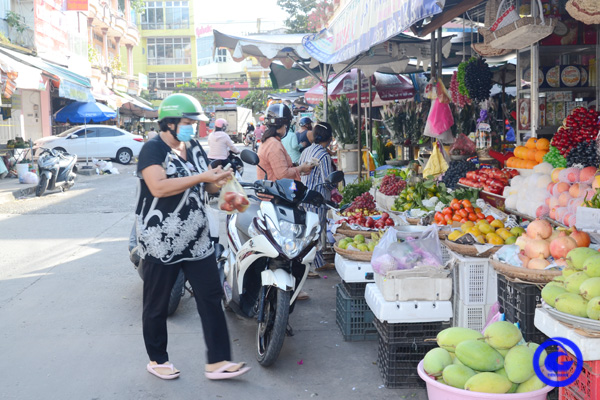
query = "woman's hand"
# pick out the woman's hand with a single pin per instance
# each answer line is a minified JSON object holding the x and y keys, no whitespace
{"x":216,"y":176}
{"x":305,"y":168}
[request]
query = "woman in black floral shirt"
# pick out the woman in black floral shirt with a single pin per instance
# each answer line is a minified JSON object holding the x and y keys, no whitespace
{"x":173,"y":235}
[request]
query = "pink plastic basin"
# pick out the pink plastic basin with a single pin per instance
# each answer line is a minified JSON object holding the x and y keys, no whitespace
{"x":439,"y":391}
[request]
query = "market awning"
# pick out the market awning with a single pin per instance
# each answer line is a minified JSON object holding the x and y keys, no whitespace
{"x":130,"y":106}
{"x":27,"y":78}
{"x":363,"y":24}
{"x":70,"y":85}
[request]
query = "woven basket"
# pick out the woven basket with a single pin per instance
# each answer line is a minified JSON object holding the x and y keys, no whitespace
{"x":586,"y":11}
{"x":353,"y":254}
{"x":345,"y":230}
{"x":484,"y":49}
{"x":519,"y":33}
{"x":413,"y":221}
{"x":525,"y":275}
{"x":443,"y":235}
{"x":469,"y":250}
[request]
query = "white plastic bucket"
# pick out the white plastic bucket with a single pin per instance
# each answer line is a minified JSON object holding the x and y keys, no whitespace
{"x":22,"y":169}
{"x":439,"y":391}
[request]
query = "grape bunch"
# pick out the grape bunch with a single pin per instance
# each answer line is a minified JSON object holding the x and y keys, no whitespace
{"x":555,"y":158}
{"x":457,"y":170}
{"x":363,"y":202}
{"x":478,"y":79}
{"x":392,"y":185}
{"x":584,"y":154}
{"x":457,"y":98}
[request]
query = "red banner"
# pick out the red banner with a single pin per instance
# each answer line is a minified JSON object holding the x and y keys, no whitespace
{"x":77,"y":5}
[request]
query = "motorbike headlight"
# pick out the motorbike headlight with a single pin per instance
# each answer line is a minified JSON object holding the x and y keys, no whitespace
{"x":290,"y":237}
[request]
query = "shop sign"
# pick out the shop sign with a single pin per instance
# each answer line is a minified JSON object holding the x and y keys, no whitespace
{"x":559,"y":368}
{"x":73,"y":91}
{"x":77,"y":5}
{"x":363,"y":24}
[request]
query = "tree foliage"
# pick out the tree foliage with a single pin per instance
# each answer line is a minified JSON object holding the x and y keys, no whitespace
{"x":256,"y":100}
{"x":206,"y":97}
{"x":298,"y":11}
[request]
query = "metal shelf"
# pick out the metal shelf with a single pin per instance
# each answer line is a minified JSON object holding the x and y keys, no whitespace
{"x":568,"y":49}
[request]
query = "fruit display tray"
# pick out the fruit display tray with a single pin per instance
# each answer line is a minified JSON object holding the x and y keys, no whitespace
{"x":590,"y":347}
{"x":586,"y":324}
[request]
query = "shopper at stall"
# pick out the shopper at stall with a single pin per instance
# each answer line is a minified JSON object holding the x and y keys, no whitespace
{"x":305,"y":125}
{"x":323,"y":135}
{"x":293,"y":148}
{"x":173,"y":235}
{"x":220,"y":144}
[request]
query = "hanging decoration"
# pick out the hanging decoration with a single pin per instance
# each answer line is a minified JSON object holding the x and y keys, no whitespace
{"x":460,"y":77}
{"x":457,"y":98}
{"x":478,"y":79}
{"x":586,"y":11}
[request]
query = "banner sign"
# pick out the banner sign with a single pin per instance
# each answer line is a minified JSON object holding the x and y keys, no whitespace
{"x":363,"y":24}
{"x":77,"y":5}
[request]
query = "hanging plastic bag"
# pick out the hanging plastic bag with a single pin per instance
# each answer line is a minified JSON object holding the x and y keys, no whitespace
{"x":233,"y":198}
{"x":463,"y":146}
{"x":440,"y":119}
{"x":442,"y":93}
{"x":436,"y":165}
{"x":431,"y":89}
{"x":370,"y":162}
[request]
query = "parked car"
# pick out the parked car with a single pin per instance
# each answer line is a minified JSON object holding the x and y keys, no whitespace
{"x":103,"y":141}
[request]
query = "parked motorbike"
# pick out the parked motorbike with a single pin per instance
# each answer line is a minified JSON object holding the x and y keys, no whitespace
{"x":270,"y":248}
{"x":250,"y":141}
{"x":56,"y":170}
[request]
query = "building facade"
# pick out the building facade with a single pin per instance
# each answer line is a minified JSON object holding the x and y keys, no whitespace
{"x":167,"y":50}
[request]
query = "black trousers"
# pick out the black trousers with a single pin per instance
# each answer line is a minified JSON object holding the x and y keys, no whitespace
{"x":203,"y":276}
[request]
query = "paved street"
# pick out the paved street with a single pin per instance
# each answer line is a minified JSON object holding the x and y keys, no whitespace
{"x":70,"y":306}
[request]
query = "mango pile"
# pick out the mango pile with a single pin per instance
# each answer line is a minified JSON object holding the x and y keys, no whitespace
{"x":577,"y":290}
{"x":499,"y":361}
{"x":492,"y":232}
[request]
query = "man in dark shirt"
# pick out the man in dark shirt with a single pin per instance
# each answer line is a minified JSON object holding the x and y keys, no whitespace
{"x":305,"y":127}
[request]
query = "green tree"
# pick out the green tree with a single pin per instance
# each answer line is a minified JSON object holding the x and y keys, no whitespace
{"x":298,"y":11}
{"x":255,"y":100}
{"x":199,"y":91}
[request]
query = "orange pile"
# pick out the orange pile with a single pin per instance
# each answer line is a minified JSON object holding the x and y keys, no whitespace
{"x":530,"y":155}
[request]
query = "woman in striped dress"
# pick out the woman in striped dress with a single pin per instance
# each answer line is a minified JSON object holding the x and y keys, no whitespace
{"x":323,"y":136}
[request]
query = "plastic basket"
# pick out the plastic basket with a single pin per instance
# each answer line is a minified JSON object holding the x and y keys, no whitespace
{"x":470,"y":316}
{"x":353,"y":316}
{"x":406,"y":332}
{"x":398,"y":362}
{"x":355,"y":289}
{"x":587,"y":385}
{"x":446,"y":255}
{"x":518,"y":302}
{"x":476,"y":281}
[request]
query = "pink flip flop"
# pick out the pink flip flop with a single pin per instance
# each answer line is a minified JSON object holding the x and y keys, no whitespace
{"x":152,"y":369}
{"x":222,"y":373}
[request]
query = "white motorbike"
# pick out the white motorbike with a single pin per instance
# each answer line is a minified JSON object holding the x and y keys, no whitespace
{"x":56,"y":170}
{"x":270,"y":249}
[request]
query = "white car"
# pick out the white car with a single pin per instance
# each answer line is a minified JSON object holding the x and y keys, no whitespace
{"x":103,"y":141}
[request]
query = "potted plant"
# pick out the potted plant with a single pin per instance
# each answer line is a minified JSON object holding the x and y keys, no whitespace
{"x":339,"y":115}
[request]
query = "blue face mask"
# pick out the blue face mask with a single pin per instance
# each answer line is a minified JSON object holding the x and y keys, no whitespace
{"x":186,"y":132}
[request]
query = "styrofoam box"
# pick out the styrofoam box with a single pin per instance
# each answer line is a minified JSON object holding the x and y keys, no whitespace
{"x":395,"y":312}
{"x":470,"y":316}
{"x":353,"y":271}
{"x":590,"y":348}
{"x":587,"y":218}
{"x":477,"y":281}
{"x":395,"y":287}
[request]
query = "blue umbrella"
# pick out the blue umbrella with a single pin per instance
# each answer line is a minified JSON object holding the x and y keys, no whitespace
{"x":83,"y":113}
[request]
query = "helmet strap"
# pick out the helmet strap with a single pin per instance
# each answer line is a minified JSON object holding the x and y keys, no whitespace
{"x":173,"y":132}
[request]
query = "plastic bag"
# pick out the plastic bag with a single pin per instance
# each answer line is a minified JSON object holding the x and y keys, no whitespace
{"x":440,"y":119}
{"x":431,"y":89}
{"x":437,"y":164}
{"x":442,"y":93}
{"x":391,"y":255}
{"x":30,"y":178}
{"x":463,"y":146}
{"x":233,"y":198}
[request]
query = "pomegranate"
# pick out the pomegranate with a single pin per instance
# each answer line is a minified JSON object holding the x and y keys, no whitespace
{"x":537,"y":248}
{"x":522,"y":241}
{"x":581,"y":238}
{"x":538,"y":263}
{"x":560,"y":246}
{"x":539,"y":229}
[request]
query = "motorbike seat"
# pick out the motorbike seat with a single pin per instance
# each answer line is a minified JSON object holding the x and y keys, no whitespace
{"x":245,"y":219}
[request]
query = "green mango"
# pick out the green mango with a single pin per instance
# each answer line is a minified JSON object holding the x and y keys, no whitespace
{"x":436,"y":360}
{"x":550,"y":292}
{"x":457,"y":375}
{"x":532,"y":384}
{"x":502,"y":335}
{"x":571,"y":303}
{"x":449,"y":338}
{"x":577,"y":257}
{"x":573,"y":282}
{"x":488,"y":382}
{"x":593,"y":309}
{"x":478,"y":355}
{"x":590,"y":288}
{"x":519,"y":364}
{"x":514,"y":386}
{"x":591,"y":266}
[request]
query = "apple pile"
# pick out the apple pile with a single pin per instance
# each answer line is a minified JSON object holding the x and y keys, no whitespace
{"x":580,"y":126}
{"x":369,"y":222}
{"x":491,"y":180}
{"x":234,"y":201}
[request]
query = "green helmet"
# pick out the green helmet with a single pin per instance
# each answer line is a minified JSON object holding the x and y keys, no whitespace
{"x":180,"y":105}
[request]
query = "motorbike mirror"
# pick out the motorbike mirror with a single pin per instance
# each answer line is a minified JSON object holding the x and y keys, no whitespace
{"x":249,"y":157}
{"x":215,"y":163}
{"x":335,"y":177}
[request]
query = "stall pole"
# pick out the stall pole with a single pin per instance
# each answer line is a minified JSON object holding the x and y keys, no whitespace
{"x":370,"y":126}
{"x":439,"y":54}
{"x":358,"y":102}
{"x":432,"y":56}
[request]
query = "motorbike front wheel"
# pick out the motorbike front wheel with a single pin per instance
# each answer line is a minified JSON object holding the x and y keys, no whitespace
{"x":42,"y":185}
{"x":271,"y":332}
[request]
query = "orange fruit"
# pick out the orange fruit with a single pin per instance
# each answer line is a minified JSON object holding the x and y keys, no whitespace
{"x":542,"y":144}
{"x":531,"y":164}
{"x":539,"y":155}
{"x":531,"y":154}
{"x":531,"y":143}
{"x":519,"y":152}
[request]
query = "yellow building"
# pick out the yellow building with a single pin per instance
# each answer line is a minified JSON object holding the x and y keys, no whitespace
{"x":167,"y":50}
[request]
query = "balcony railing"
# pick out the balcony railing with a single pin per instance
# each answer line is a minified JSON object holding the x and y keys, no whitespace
{"x":170,"y":61}
{"x":161,"y":25}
